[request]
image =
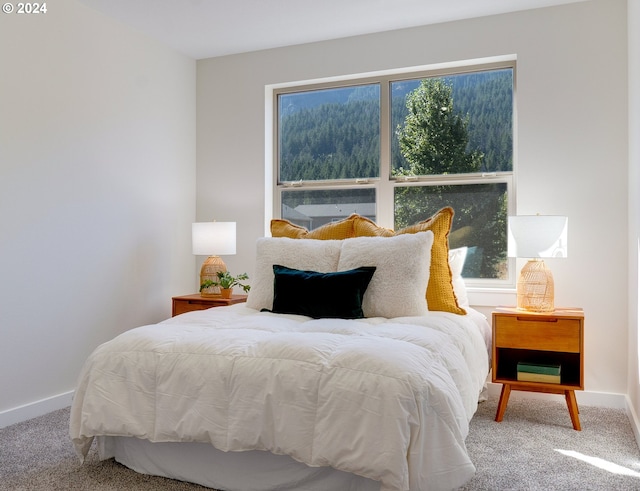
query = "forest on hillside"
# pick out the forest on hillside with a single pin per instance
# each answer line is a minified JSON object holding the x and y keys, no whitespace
{"x":335,"y":133}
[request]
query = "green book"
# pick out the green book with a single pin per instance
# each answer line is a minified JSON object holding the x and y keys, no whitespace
{"x":527,"y":367}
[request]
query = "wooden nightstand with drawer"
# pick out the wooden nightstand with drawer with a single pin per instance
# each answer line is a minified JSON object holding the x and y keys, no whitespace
{"x":549,"y":339}
{"x":189,"y":303}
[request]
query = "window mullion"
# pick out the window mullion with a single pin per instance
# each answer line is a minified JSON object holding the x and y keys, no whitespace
{"x":384,"y":205}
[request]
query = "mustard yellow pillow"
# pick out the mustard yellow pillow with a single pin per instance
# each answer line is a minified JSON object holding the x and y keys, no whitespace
{"x":440,"y":294}
{"x":342,"y":229}
{"x":284,"y":228}
{"x":363,"y":227}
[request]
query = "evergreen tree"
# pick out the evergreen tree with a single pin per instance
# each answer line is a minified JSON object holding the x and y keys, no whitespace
{"x":434,"y":138}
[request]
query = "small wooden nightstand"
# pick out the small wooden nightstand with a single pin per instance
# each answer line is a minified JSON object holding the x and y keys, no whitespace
{"x":188,"y":303}
{"x":555,"y":338}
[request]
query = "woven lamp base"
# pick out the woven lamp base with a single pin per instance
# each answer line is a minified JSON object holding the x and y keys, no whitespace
{"x":535,"y":287}
{"x":209,"y":271}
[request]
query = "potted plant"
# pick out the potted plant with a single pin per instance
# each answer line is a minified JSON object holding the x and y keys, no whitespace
{"x":226,"y":281}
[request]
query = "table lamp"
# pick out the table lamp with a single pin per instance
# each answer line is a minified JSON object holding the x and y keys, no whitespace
{"x":213,"y":239}
{"x":536,"y":237}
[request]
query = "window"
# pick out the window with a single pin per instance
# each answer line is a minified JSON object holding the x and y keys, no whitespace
{"x":397,"y":148}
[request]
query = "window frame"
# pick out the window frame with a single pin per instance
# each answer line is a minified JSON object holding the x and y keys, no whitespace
{"x":385,"y":184}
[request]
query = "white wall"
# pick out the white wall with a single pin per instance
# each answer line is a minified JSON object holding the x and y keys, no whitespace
{"x":97,"y":193}
{"x":572,"y":140}
{"x":634,"y":204}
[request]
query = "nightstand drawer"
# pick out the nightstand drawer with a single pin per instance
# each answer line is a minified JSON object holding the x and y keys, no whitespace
{"x":189,"y":303}
{"x":554,"y":334}
{"x":190,"y":306}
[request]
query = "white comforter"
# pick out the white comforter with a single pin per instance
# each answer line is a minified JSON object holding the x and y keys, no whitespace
{"x":388,"y":399}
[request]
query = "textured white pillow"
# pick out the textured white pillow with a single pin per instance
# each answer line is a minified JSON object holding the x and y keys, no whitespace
{"x":457,"y":258}
{"x":398,"y":287}
{"x":304,"y":254}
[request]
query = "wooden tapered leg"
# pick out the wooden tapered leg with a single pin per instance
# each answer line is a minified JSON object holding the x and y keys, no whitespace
{"x":572,"y":404}
{"x":504,"y":400}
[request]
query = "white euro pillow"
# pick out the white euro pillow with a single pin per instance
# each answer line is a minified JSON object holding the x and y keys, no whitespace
{"x":303,"y":254}
{"x":457,"y":257}
{"x":399,"y":284}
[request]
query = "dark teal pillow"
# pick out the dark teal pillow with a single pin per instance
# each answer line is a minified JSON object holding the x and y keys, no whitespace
{"x":320,"y":295}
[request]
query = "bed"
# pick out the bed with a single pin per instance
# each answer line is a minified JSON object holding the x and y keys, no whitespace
{"x":335,"y":375}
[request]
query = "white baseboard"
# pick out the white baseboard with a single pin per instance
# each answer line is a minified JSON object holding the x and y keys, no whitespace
{"x":35,"y":409}
{"x":633,"y":418}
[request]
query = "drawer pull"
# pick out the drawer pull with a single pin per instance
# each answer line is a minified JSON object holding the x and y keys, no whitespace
{"x":533,"y":319}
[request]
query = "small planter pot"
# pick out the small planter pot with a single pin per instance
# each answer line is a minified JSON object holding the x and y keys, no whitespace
{"x":226,"y":292}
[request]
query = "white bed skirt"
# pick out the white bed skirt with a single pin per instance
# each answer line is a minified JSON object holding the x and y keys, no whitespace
{"x":229,"y":471}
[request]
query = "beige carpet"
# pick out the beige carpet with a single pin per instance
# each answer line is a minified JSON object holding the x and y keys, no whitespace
{"x":534,"y":448}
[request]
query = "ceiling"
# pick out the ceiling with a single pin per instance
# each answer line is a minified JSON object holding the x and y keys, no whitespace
{"x":208,"y":28}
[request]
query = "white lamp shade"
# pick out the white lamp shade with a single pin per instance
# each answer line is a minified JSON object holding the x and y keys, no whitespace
{"x":532,"y":236}
{"x":213,"y":238}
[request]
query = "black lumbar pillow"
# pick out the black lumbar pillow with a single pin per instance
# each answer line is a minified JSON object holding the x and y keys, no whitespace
{"x":320,"y":295}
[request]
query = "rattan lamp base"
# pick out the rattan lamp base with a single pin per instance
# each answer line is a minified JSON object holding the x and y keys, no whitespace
{"x":535,"y":289}
{"x":209,"y":271}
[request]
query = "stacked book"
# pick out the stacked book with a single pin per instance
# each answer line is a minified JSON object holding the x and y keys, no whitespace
{"x":535,"y":372}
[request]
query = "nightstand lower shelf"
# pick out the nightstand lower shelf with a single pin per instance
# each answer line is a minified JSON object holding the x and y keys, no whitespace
{"x":569,"y":395}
